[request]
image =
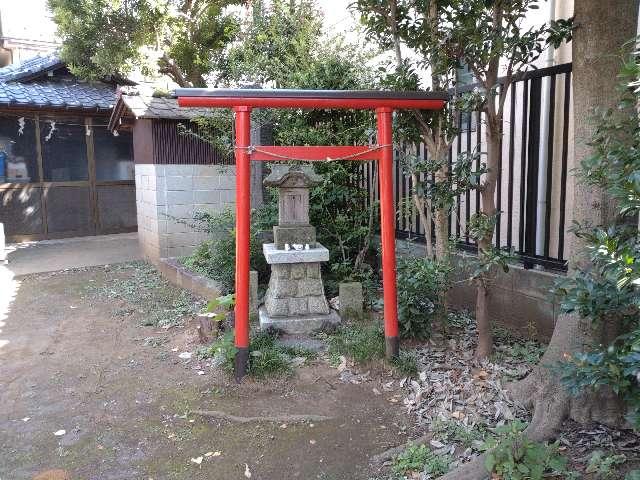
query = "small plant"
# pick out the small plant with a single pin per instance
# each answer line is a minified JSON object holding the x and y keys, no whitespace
{"x":359,"y":341}
{"x":512,"y":456}
{"x":422,"y":284}
{"x":603,"y":466}
{"x":406,"y":364}
{"x":420,"y":458}
{"x":452,"y":431}
{"x":266,"y":357}
{"x":215,"y":258}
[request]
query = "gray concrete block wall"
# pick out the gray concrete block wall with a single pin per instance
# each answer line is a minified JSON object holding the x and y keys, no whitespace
{"x":520,"y":299}
{"x":167,"y":197}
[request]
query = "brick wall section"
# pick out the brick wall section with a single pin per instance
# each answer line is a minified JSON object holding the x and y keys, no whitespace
{"x":520,"y":299}
{"x":168,"y":195}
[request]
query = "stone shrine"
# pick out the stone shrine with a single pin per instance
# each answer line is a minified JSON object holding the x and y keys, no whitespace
{"x":295,"y":301}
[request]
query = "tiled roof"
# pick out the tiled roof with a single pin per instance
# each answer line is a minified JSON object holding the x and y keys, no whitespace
{"x":30,"y":68}
{"x":160,"y":107}
{"x":139,"y":105}
{"x":33,"y":83}
{"x":61,"y":94}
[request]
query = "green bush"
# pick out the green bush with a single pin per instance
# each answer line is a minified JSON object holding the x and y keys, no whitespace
{"x":216,"y":258}
{"x":422,"y":284}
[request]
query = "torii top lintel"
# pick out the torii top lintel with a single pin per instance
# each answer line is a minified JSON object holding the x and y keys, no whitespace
{"x":283,"y":98}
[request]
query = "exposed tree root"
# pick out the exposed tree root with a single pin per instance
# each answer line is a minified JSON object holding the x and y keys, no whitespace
{"x":274,"y":419}
{"x":395,"y":451}
{"x":473,"y":470}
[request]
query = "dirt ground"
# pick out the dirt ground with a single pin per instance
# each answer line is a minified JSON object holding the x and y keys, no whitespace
{"x":78,"y":361}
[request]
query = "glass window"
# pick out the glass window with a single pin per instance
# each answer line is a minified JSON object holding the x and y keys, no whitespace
{"x":114,"y":155}
{"x":64,"y":150}
{"x":18,"y":152}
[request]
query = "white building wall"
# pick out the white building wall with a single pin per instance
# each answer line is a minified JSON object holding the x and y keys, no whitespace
{"x":167,"y":196}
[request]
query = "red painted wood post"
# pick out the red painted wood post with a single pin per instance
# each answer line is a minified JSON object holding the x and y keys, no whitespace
{"x":387,"y":230}
{"x":243,"y":226}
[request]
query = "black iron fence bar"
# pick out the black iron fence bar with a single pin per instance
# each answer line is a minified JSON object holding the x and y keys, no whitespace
{"x":539,"y":202}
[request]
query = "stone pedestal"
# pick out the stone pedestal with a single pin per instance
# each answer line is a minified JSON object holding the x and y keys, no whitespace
{"x":295,"y":300}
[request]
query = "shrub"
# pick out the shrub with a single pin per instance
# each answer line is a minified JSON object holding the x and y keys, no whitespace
{"x":422,"y":284}
{"x":216,"y":258}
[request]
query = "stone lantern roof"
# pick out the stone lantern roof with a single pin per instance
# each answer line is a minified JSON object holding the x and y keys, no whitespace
{"x":287,"y":176}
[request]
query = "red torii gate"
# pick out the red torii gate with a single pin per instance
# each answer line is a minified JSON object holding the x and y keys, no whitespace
{"x":242,"y":101}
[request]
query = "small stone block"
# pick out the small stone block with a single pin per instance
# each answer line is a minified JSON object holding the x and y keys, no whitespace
{"x":298,"y":306}
{"x":276,"y":307}
{"x":307,"y":288}
{"x":282,"y":288}
{"x":298,"y":271}
{"x":281,"y":270}
{"x":313,"y":270}
{"x":351,"y":300}
{"x":318,"y":305}
{"x":300,"y":234}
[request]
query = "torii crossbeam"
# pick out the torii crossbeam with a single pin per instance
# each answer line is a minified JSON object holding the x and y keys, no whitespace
{"x":242,"y":101}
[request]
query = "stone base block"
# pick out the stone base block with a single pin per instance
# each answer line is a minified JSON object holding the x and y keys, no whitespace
{"x":298,"y":234}
{"x":296,"y":325}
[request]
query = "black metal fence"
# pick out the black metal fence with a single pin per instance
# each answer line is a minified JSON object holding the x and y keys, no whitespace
{"x":532,"y":173}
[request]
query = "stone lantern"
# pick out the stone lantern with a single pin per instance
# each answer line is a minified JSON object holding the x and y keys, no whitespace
{"x":295,"y":301}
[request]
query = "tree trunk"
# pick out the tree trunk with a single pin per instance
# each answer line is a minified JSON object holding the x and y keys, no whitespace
{"x":487,"y":194}
{"x":441,"y":217}
{"x":602,"y":28}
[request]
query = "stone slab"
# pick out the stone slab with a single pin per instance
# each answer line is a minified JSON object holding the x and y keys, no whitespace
{"x":351,"y":300}
{"x":273,"y":255}
{"x":298,"y":325}
{"x":291,"y":235}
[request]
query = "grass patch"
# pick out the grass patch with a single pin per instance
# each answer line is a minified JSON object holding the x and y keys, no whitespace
{"x":406,"y":364}
{"x":420,"y":458}
{"x":358,"y":341}
{"x":267,"y":358}
{"x":159,"y":302}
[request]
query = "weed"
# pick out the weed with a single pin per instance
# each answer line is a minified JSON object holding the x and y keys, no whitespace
{"x":603,"y":466}
{"x":452,"y":431}
{"x":359,"y":341}
{"x":512,"y":456}
{"x":420,"y":458}
{"x":266,"y":357}
{"x":406,"y":364}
